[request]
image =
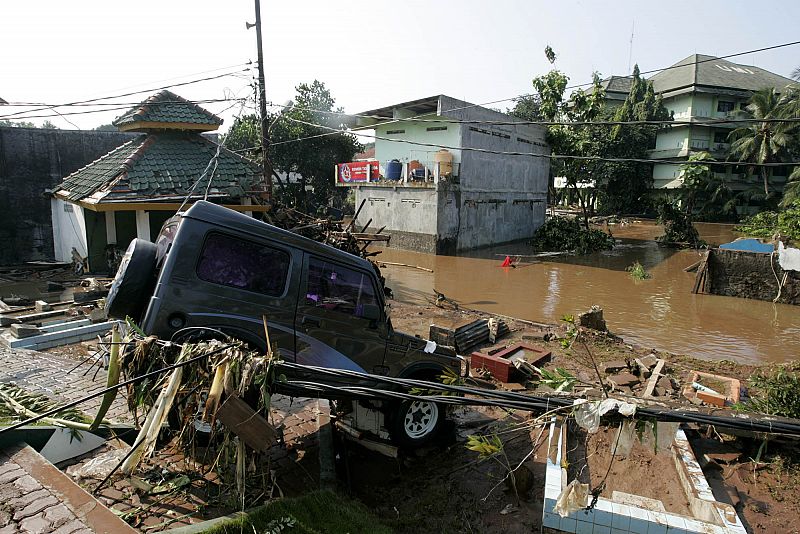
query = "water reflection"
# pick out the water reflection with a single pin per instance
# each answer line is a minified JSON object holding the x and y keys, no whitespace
{"x":660,"y":312}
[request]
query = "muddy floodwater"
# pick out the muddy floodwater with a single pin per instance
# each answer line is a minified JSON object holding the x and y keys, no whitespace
{"x":660,"y":312}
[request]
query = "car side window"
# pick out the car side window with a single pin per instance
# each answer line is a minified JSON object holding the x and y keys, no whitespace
{"x":234,"y":262}
{"x":337,"y":288}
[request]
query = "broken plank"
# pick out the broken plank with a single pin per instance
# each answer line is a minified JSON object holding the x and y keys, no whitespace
{"x":39,"y":316}
{"x":406,"y":265}
{"x":651,"y":384}
{"x":238,"y":417}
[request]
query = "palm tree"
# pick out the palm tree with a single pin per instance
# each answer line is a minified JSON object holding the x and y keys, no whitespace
{"x":762,"y":142}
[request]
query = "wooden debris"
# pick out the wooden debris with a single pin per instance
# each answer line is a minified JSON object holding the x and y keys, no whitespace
{"x":405,"y":265}
{"x":651,"y":384}
{"x":249,"y":425}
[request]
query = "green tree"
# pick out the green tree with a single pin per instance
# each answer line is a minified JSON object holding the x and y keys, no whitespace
{"x":302,"y":143}
{"x":763,"y":142}
{"x":47,"y":124}
{"x":15,"y":124}
{"x":571,"y":142}
{"x":623,"y":187}
{"x":526,"y":108}
{"x":706,"y":194}
{"x":627,"y":185}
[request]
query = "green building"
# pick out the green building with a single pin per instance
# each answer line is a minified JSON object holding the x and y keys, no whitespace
{"x":697,"y":89}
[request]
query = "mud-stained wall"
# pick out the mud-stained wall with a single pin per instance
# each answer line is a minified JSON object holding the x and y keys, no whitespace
{"x":32,"y":161}
{"x":751,"y":275}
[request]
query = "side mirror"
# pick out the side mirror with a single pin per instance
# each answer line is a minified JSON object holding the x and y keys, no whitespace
{"x":371,"y":312}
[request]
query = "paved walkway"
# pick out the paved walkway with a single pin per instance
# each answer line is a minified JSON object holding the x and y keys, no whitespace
{"x":53,"y":375}
{"x":38,"y":498}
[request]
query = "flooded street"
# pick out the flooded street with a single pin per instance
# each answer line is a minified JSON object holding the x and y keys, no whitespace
{"x":660,"y":312}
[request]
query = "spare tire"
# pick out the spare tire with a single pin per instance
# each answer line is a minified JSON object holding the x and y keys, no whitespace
{"x":134,"y":281}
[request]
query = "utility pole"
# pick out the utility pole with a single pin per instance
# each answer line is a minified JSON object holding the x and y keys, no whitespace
{"x":266,"y":167}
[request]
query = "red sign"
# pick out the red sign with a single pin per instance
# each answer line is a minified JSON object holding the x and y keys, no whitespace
{"x":358,"y":171}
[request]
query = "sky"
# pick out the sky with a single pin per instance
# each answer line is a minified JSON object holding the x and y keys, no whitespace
{"x":368,"y":53}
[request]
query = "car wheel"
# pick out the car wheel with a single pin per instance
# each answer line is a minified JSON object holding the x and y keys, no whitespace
{"x":133,"y":282}
{"x":416,"y":423}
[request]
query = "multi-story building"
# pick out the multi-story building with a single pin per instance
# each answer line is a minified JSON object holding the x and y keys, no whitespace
{"x":448,"y":175}
{"x":697,"y":89}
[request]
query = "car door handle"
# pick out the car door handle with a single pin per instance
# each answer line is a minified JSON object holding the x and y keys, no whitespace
{"x":310,"y":321}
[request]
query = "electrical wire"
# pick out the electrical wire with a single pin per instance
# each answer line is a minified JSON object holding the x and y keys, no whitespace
{"x":519,"y":122}
{"x":180,"y":84}
{"x":531,"y":154}
{"x":469,"y":106}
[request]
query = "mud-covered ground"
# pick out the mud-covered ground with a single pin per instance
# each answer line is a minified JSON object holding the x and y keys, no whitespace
{"x":448,"y":488}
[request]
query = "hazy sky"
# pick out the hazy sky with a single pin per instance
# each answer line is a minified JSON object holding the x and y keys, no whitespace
{"x":369,"y":53}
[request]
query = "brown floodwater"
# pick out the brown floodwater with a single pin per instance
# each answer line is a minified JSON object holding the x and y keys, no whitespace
{"x":660,"y":312}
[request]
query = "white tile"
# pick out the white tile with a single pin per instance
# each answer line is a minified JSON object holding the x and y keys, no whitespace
{"x":674,"y":521}
{"x":622,"y":516}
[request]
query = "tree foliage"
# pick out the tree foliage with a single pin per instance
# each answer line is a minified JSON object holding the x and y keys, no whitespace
{"x":567,"y":234}
{"x":705,"y":194}
{"x":763,"y":142}
{"x":768,"y":224}
{"x":313,"y":158}
{"x":623,"y":187}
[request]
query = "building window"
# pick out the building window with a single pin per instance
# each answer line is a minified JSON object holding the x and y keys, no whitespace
{"x":720,"y":137}
{"x":395,"y":132}
{"x":233,"y":262}
{"x":339,"y":289}
{"x":724,"y":106}
{"x":436,"y":128}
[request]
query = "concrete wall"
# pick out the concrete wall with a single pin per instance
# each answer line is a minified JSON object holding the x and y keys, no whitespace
{"x":496,"y":198}
{"x":418,"y":132}
{"x":749,"y":275}
{"x":409,"y":214}
{"x":69,"y":229}
{"x":680,"y":106}
{"x":499,"y":198}
{"x":672,"y":138}
{"x":33,"y":160}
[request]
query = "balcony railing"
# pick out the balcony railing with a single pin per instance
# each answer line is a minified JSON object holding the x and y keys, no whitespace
{"x":414,"y":173}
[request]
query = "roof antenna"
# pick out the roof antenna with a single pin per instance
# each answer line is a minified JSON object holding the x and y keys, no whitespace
{"x":630,"y":48}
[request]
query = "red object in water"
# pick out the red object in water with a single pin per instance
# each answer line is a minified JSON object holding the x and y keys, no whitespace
{"x":506,"y":262}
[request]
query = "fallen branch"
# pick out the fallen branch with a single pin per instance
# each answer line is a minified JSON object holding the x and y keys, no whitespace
{"x":405,"y":265}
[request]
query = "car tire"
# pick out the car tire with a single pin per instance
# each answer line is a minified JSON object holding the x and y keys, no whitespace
{"x":133,"y":282}
{"x":416,"y":423}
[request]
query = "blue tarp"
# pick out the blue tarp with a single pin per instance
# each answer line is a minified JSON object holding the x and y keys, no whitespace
{"x":749,"y":245}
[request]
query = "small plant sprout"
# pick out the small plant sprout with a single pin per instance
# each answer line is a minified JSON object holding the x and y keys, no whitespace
{"x":637,"y":271}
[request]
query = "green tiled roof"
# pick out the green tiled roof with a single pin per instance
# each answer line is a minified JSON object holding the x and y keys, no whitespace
{"x":162,"y":167}
{"x":166,"y":106}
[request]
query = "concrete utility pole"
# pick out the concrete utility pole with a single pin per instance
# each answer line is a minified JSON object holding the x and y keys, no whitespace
{"x":262,"y":104}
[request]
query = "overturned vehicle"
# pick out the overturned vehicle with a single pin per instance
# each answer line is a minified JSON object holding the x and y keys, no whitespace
{"x":213,"y":271}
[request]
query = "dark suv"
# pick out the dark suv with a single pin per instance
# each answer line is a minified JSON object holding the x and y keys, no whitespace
{"x":214,"y":268}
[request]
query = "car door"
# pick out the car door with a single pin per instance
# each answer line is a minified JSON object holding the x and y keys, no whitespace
{"x":237,"y":281}
{"x":331,"y":328}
